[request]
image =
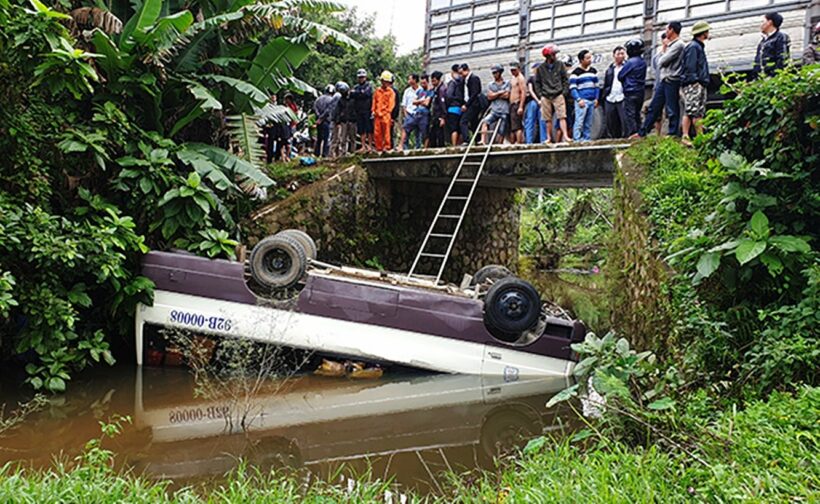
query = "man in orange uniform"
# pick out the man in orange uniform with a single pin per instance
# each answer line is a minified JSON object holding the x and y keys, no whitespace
{"x":384,"y":99}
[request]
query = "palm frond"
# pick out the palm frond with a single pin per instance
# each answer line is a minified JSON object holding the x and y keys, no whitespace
{"x":245,"y":134}
{"x":274,"y":114}
{"x":88,"y":18}
{"x":313,"y":6}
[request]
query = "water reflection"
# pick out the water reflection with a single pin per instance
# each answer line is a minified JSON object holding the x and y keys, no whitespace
{"x":408,"y":427}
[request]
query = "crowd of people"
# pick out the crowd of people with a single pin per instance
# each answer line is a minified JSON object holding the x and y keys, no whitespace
{"x":557,"y":103}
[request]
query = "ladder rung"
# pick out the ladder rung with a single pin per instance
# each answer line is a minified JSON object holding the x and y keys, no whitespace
{"x":449,"y":216}
{"x":439,"y":235}
{"x":471,"y":163}
{"x":425,"y":254}
{"x":471,"y":180}
{"x":457,"y":197}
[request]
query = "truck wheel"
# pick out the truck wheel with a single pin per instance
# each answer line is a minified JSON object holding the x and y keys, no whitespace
{"x":511,"y":307}
{"x":492,"y":272}
{"x":278,"y":262}
{"x":304,"y":239}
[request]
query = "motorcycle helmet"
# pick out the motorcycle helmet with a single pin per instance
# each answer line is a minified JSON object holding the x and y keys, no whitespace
{"x":342,"y":87}
{"x":330,"y":88}
{"x":635,"y":47}
{"x":549,"y":49}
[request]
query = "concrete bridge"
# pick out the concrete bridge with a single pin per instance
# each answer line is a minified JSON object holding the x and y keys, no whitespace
{"x":508,"y":166}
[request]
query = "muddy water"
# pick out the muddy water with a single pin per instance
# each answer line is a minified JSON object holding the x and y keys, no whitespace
{"x":405,"y":426}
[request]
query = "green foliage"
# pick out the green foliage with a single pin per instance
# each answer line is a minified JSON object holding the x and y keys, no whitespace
{"x":330,"y":63}
{"x":114,"y":143}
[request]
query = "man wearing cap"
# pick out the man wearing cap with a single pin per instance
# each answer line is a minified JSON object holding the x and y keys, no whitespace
{"x":323,"y":108}
{"x":773,"y":49}
{"x":362,"y":96}
{"x":551,"y":84}
{"x":694,"y":79}
{"x":518,"y":95}
{"x":384,"y":99}
{"x":498,"y":92}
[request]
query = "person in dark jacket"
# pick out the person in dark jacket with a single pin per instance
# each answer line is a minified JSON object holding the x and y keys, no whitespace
{"x":323,"y":108}
{"x":693,"y":80}
{"x":773,"y":49}
{"x":454,"y":99}
{"x":551,"y":84}
{"x":633,"y":80}
{"x":343,"y":140}
{"x":667,"y":83}
{"x":438,"y":119}
{"x":362,"y":96}
{"x":471,"y":110}
{"x":613,"y":95}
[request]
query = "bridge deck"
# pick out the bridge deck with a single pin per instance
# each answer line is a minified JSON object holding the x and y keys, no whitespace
{"x":509,"y":166}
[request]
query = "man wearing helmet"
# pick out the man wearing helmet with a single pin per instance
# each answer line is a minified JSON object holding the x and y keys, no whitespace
{"x":384,"y":99}
{"x":633,"y":80}
{"x":812,"y":53}
{"x":323,"y":108}
{"x":362,"y":96}
{"x":551,"y":84}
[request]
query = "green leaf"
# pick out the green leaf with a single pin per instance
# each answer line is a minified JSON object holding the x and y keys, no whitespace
{"x":788,"y":243}
{"x":147,"y":15}
{"x":759,"y":224}
{"x":42,"y":8}
{"x":207,"y":100}
{"x":275,"y":62}
{"x":56,"y":384}
{"x":749,"y":249}
{"x":581,"y":435}
{"x":36,"y":383}
{"x":145,"y":185}
{"x":583,"y":367}
{"x":243,"y":87}
{"x":708,"y":263}
{"x":565,"y":395}
{"x":622,"y":347}
{"x":772,"y":263}
{"x":662,"y":404}
{"x":194,"y":179}
{"x":535,"y":445}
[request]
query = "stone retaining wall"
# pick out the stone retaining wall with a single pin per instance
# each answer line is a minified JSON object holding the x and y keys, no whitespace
{"x":381,"y":223}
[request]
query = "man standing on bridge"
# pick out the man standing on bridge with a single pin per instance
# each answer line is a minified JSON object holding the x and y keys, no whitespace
{"x":583,"y":83}
{"x":362,"y":96}
{"x":383,"y":102}
{"x":694,"y":79}
{"x":518,"y":95}
{"x":667,"y":87}
{"x":551,"y":84}
{"x":471,"y":110}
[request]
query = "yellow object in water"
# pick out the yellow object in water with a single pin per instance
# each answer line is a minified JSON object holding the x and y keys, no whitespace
{"x":330,"y":368}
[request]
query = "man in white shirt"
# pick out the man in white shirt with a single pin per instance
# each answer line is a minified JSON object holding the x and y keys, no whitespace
{"x":408,"y":107}
{"x":613,"y":94}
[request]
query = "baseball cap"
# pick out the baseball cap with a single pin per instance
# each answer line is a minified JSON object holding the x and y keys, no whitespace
{"x":496,"y":68}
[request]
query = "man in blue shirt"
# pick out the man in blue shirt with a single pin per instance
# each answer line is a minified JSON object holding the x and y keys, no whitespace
{"x":583,"y":84}
{"x":633,"y":79}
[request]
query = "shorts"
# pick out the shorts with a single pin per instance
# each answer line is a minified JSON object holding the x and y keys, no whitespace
{"x":364,"y":124}
{"x":558,"y":103}
{"x":453,"y":122}
{"x":494,"y":117}
{"x":694,"y":99}
{"x":516,"y":121}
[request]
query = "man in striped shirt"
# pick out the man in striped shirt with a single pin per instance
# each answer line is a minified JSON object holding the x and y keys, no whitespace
{"x":583,"y":84}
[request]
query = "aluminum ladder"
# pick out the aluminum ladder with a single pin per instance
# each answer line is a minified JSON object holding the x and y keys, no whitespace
{"x":459,"y":180}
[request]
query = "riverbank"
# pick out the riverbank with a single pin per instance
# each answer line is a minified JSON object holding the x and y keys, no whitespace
{"x":768,"y":452}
